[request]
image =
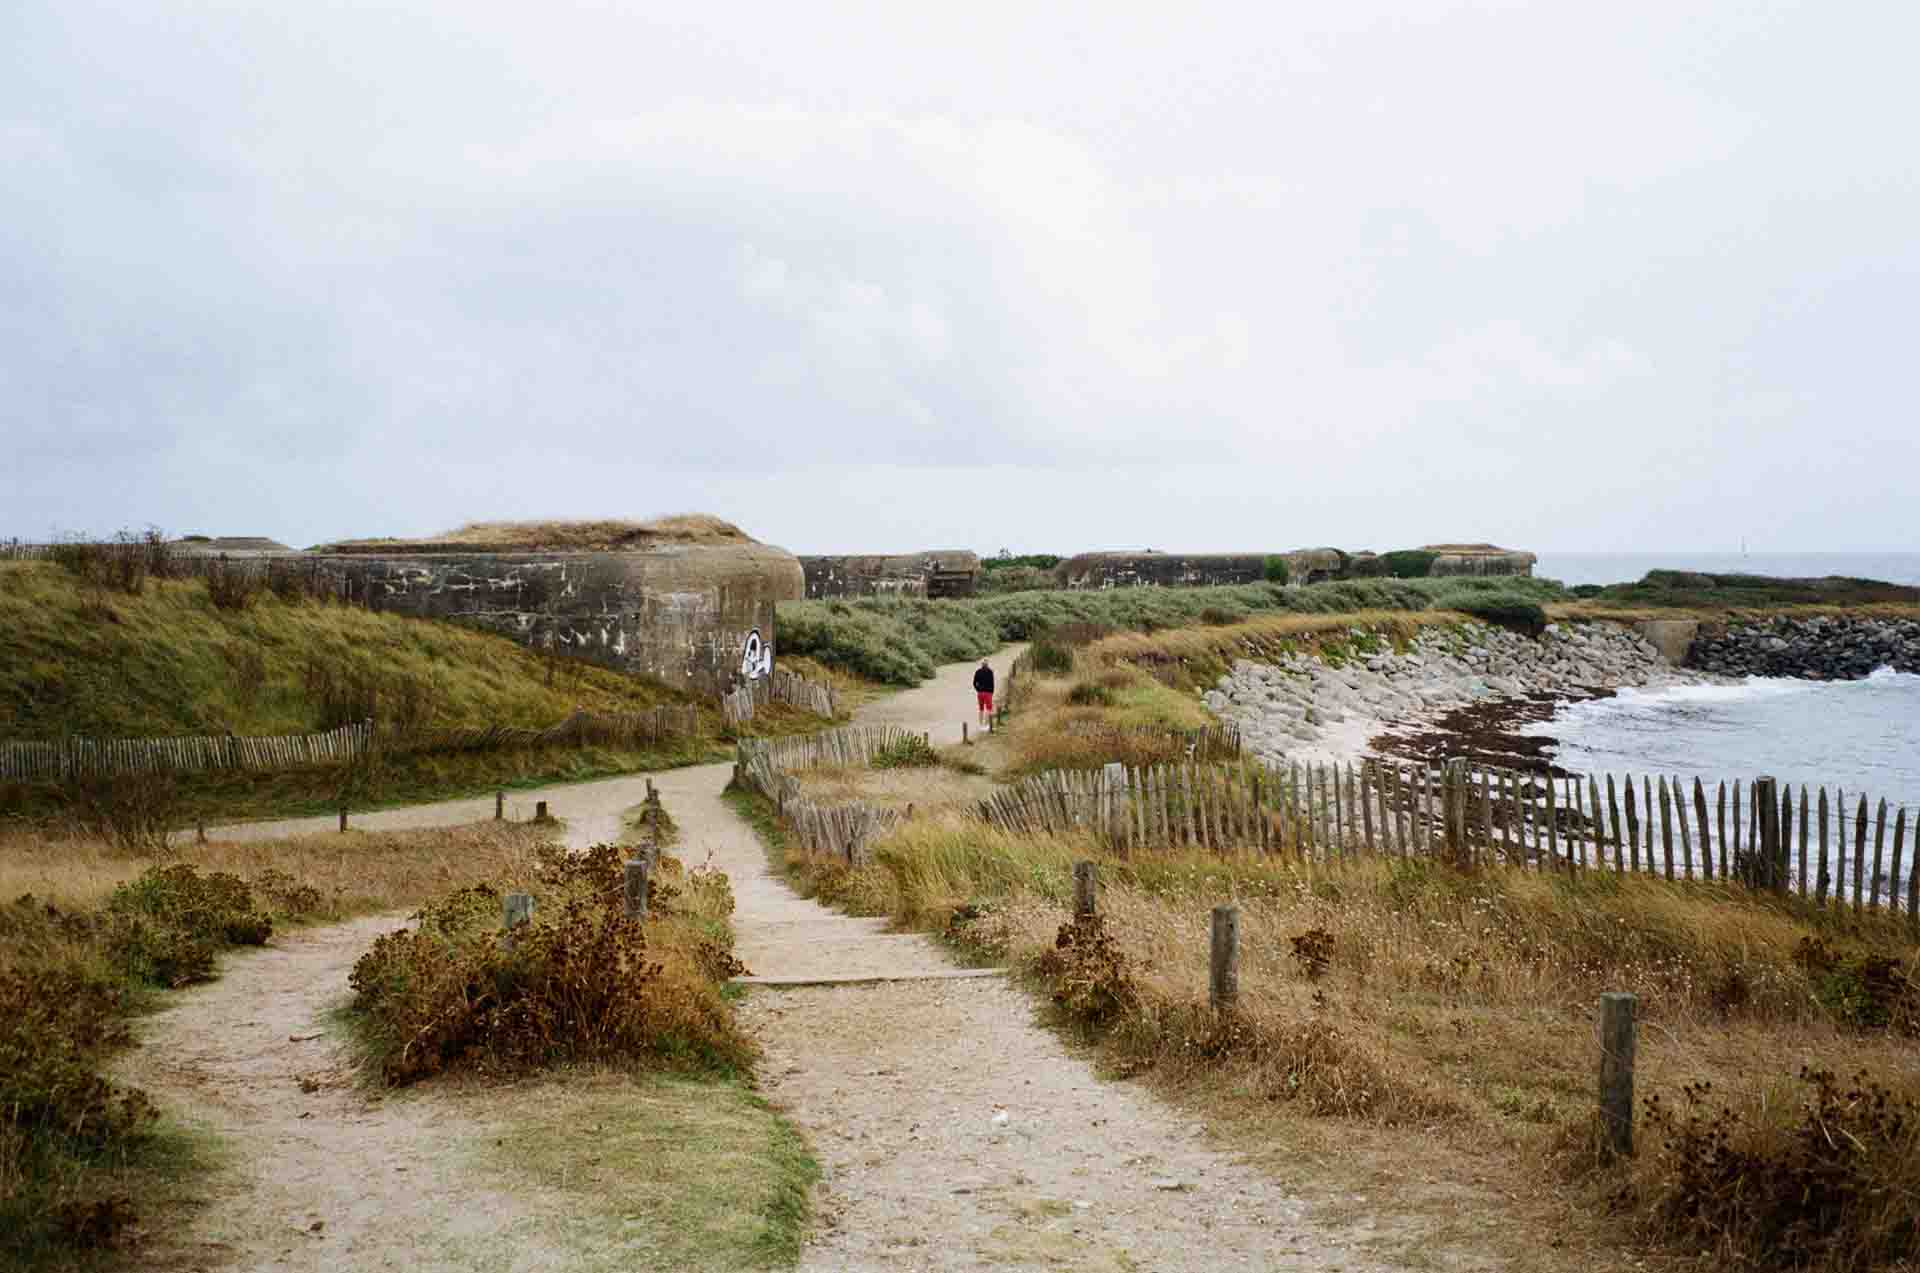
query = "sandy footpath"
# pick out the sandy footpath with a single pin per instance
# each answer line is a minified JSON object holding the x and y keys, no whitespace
{"x":954,"y":1131}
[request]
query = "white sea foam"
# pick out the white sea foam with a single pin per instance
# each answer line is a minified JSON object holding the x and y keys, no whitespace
{"x":1862,"y":735}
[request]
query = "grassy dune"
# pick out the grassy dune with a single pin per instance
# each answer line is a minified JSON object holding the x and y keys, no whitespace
{"x":76,"y":659}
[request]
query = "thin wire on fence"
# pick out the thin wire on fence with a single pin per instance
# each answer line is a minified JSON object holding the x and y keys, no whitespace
{"x":1472,"y":814}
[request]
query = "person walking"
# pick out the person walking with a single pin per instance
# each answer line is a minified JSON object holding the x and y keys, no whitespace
{"x":983,"y":692}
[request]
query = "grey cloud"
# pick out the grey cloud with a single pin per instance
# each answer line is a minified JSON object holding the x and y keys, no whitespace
{"x":1101,"y":274}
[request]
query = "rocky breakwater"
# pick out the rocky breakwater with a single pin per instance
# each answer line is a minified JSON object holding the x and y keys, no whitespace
{"x":1818,"y":648}
{"x":1334,"y":704}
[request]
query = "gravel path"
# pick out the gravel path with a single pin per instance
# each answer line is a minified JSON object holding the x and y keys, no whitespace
{"x":954,"y":1131}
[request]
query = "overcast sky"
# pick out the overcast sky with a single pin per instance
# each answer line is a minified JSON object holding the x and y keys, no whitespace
{"x":891,"y":276}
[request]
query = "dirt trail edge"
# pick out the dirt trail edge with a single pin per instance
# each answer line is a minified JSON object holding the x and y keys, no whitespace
{"x":955,"y":1132}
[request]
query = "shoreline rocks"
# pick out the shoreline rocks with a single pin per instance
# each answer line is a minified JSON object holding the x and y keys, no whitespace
{"x":1819,"y":648}
{"x":1305,"y":706}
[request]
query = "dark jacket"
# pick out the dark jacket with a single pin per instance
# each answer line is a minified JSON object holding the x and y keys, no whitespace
{"x":983,"y":681}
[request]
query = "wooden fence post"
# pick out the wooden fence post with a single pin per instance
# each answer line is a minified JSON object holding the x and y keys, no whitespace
{"x":1616,"y":1070}
{"x":343,"y":817}
{"x":1766,"y":835}
{"x":1450,"y":825}
{"x":637,"y":871}
{"x":540,"y":811}
{"x":499,"y":805}
{"x":1223,"y":973}
{"x":516,"y":909}
{"x":200,"y":834}
{"x":1085,"y":889}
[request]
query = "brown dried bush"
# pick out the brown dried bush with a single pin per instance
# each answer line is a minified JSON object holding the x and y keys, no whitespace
{"x":580,"y":982}
{"x":1091,"y":976}
{"x":1831,"y":1185}
{"x":135,"y":811}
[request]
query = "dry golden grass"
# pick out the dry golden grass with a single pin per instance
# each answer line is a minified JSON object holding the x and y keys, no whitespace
{"x":926,"y":787}
{"x":356,"y":872}
{"x":1134,"y":724}
{"x":603,"y":535}
{"x":1394,"y":997}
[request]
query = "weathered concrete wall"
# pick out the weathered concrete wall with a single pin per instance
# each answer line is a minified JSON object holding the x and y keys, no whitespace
{"x":685,"y":614}
{"x":1479,"y":560}
{"x":935,"y":573}
{"x":1672,"y":637}
{"x":1168,"y":570}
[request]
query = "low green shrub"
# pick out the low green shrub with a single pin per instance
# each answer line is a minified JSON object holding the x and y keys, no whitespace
{"x":59,"y":1113}
{"x":1051,"y":657}
{"x":1275,"y":569}
{"x":217,"y":905}
{"x":1515,"y":613}
{"x":69,"y":982}
{"x":900,"y":641}
{"x":1090,"y":694}
{"x":1409,"y":563}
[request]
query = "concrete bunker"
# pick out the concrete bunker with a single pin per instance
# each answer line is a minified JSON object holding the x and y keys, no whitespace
{"x":685,"y":600}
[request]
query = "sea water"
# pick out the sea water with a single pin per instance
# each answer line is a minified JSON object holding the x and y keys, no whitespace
{"x":1859,"y":737}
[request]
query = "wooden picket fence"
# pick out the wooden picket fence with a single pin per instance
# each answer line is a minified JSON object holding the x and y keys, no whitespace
{"x":69,"y":758}
{"x":843,"y":830}
{"x":740,"y":705}
{"x":1014,"y":688}
{"x":1475,"y":814}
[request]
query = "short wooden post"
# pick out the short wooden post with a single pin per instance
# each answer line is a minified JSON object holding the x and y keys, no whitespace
{"x":200,"y":831}
{"x":540,"y":811}
{"x":1767,"y":851}
{"x":1223,"y":973}
{"x":1450,"y":826}
{"x":499,"y":805}
{"x":343,"y":817}
{"x":637,"y":871}
{"x":965,"y":741}
{"x":1616,"y":1070}
{"x":516,"y":909}
{"x":1085,"y":889}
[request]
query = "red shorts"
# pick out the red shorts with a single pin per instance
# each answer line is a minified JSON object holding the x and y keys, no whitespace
{"x":986,"y":700}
